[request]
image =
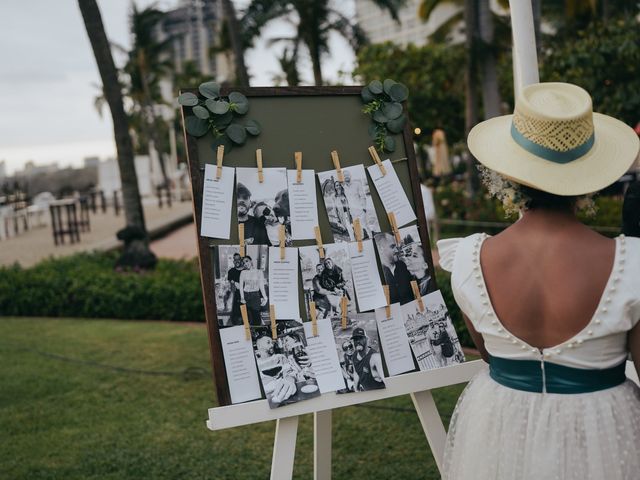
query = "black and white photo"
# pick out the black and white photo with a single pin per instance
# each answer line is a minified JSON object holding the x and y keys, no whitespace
{"x":284,"y":364}
{"x":345,"y":201}
{"x":327,"y":280}
{"x":433,"y":338}
{"x":358,"y":349}
{"x":263,"y":207}
{"x":242,"y":280}
{"x":402,"y":263}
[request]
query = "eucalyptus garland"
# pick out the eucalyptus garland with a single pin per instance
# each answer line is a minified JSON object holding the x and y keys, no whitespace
{"x":383,"y":101}
{"x":219,"y":115}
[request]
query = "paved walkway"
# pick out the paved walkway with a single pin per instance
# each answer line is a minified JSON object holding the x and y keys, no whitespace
{"x":37,"y":244}
{"x":179,"y":244}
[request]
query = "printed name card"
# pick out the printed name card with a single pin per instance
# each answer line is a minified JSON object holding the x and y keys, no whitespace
{"x":240,"y":364}
{"x":303,"y":204}
{"x":394,"y":339}
{"x":283,"y":282}
{"x":393,"y":197}
{"x":324,"y":357}
{"x":369,"y":290}
{"x":217,"y":195}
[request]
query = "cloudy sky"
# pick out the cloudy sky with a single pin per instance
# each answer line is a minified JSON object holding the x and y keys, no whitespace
{"x":49,"y":79}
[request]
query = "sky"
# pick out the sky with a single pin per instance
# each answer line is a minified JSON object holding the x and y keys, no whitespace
{"x":49,"y":79}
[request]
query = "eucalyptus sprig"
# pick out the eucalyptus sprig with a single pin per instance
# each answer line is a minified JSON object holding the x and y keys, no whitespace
{"x":383,"y":101}
{"x":219,"y":115}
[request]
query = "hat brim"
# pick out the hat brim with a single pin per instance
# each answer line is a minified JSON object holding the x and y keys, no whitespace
{"x":614,"y":150}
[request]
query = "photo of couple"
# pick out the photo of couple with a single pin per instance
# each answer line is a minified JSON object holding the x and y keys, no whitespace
{"x":402,"y":263}
{"x":263,"y":207}
{"x":326,"y":281}
{"x":242,"y":280}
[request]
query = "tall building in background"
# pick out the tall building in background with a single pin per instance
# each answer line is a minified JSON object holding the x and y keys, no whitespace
{"x":3,"y":169}
{"x":380,"y":27}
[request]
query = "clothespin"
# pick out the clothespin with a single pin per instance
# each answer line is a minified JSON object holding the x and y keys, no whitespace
{"x":343,"y":308}
{"x":219,"y":157}
{"x":259,"y":163}
{"x":272,"y":315}
{"x":394,"y":226}
{"x":416,"y":294}
{"x":336,"y":164}
{"x":314,"y":319}
{"x":298,"y":157}
{"x":281,"y":234}
{"x":376,"y":159}
{"x":241,"y":238}
{"x":316,"y":229}
{"x":357,"y":230}
{"x":245,"y":321}
{"x":387,"y":295}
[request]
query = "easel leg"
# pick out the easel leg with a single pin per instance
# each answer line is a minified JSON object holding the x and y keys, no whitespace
{"x":284,"y":448}
{"x":322,"y":445}
{"x":431,"y":424}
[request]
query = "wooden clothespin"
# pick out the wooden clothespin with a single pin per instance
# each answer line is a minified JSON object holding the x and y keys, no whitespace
{"x":219,"y":157}
{"x":336,"y":164}
{"x":357,"y":230}
{"x":316,"y":229}
{"x":298,"y":157}
{"x":394,"y":226}
{"x":376,"y":159}
{"x":387,"y":295}
{"x":314,"y":319}
{"x":245,"y":321}
{"x":259,"y":163}
{"x":282,"y":235}
{"x":416,"y":294}
{"x":272,"y":316}
{"x":241,"y":238}
{"x":343,"y":308}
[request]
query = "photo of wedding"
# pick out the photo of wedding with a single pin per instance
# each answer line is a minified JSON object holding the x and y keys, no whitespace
{"x":242,"y":280}
{"x":433,"y":338}
{"x":326,"y":281}
{"x":263,"y":206}
{"x":358,"y":348}
{"x":402,"y":263}
{"x":286,"y":372}
{"x":348,"y":200}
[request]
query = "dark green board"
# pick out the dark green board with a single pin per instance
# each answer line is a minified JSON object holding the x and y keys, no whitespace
{"x":315,"y":121}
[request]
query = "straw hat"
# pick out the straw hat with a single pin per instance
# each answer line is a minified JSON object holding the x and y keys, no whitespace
{"x":555,"y":143}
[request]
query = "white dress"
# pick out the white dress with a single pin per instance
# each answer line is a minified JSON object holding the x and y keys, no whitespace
{"x":503,"y":433}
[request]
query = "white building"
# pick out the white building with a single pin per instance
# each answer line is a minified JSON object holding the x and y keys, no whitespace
{"x":3,"y":169}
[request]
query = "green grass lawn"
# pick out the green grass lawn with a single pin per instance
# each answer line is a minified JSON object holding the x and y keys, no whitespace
{"x":62,"y":419}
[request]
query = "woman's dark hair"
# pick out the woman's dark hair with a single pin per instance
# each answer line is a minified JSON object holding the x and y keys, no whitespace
{"x":548,"y":201}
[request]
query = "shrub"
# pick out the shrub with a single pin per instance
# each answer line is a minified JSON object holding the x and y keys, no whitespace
{"x":86,"y":285}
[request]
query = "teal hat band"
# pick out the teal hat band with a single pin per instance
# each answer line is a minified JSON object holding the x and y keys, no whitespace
{"x":555,"y":156}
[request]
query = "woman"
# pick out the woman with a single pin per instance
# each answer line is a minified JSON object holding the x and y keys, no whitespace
{"x":552,"y":306}
{"x":252,"y":292}
{"x":418,"y":267}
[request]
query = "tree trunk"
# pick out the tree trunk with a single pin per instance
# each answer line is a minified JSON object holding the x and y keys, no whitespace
{"x":536,"y":6}
{"x":314,"y":53}
{"x":471,"y":101}
{"x":136,"y":251}
{"x":235,"y":37}
{"x":488,"y":61}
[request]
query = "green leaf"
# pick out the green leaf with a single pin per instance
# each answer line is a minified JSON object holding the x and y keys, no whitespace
{"x":223,"y":120}
{"x":379,"y":117}
{"x":392,"y":110}
{"x":375,"y":87}
{"x":188,"y":99}
{"x":241,"y":102}
{"x":219,"y":107}
{"x":399,"y":93}
{"x":195,"y":126}
{"x":222,"y":140}
{"x":253,"y":127}
{"x":373,"y":130}
{"x":201,"y":112}
{"x":388,"y":83}
{"x":237,"y":133}
{"x":389,"y":144}
{"x":366,"y":95}
{"x":209,"y":89}
{"x":240,"y":108}
{"x":397,"y":124}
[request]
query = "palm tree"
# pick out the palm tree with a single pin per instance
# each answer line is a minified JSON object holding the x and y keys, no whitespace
{"x":136,"y":251}
{"x":237,"y":42}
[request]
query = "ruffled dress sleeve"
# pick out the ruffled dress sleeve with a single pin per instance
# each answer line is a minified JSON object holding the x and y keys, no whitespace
{"x":447,"y":251}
